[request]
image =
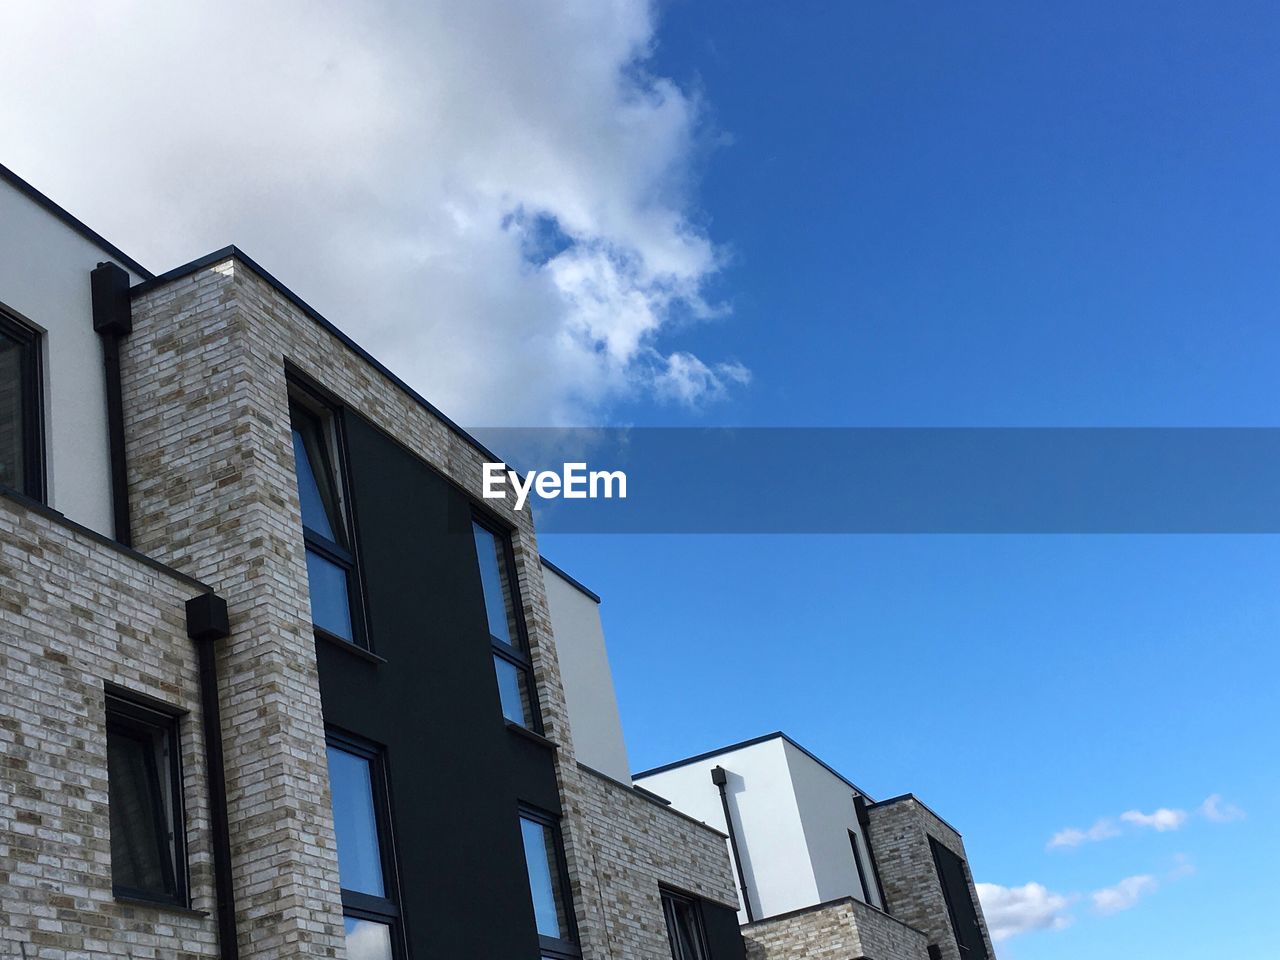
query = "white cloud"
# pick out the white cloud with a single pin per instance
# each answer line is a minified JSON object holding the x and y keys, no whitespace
{"x":1161,"y":820}
{"x":492,"y":196}
{"x":1073,"y":837}
{"x":1010,"y":911}
{"x":1216,"y":810}
{"x":1124,"y":894}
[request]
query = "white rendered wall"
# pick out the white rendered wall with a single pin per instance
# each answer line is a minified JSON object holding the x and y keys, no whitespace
{"x":44,"y":279}
{"x":588,"y":681}
{"x":828,"y":815}
{"x":762,"y":799}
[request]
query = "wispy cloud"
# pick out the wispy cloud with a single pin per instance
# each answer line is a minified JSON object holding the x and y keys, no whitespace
{"x":1161,"y":820}
{"x":1073,"y":836}
{"x":1013,"y":910}
{"x":1124,"y":894}
{"x":1217,"y":810}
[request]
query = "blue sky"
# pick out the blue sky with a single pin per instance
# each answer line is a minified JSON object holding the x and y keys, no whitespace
{"x":1012,"y":215}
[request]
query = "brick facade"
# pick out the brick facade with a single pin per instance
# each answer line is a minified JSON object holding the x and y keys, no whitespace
{"x":845,"y":929}
{"x":75,"y":615}
{"x":211,"y":480}
{"x":629,"y":844}
{"x":900,"y":832}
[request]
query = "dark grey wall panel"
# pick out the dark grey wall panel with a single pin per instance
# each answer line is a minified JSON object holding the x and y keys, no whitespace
{"x":456,"y":773}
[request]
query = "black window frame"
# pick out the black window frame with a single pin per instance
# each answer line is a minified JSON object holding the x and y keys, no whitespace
{"x":327,"y":413}
{"x":33,"y":482}
{"x":135,"y":715}
{"x":862,"y":870}
{"x":966,"y":925}
{"x":518,"y":656}
{"x":565,"y":948}
{"x":363,"y":906}
{"x":670,"y":894}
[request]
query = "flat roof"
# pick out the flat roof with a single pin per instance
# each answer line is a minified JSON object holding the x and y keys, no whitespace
{"x":776,"y":735}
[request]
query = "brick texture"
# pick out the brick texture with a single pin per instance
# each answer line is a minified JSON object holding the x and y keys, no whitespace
{"x":74,"y":616}
{"x":629,"y":844}
{"x":900,"y":832}
{"x":211,"y":480}
{"x":845,"y":929}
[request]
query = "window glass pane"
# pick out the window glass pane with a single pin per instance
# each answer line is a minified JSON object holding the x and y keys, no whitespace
{"x":498,"y":601}
{"x":513,"y":689}
{"x":330,"y":604}
{"x":140,"y":813}
{"x":540,"y":859}
{"x":367,"y":940}
{"x":317,"y":489}
{"x":359,"y":854}
{"x":12,"y":415}
{"x":683,"y":928}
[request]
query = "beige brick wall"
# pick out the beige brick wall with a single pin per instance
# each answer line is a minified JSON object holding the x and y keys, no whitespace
{"x":842,"y":930}
{"x":213,"y":493}
{"x":628,"y":845}
{"x":900,"y":832}
{"x":76,"y":614}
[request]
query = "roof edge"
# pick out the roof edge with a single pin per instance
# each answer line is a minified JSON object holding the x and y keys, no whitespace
{"x":743,"y":744}
{"x":569,"y":578}
{"x":38,"y":198}
{"x":232,"y":252}
{"x":912,"y":796}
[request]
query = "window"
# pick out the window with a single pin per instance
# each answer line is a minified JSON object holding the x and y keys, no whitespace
{"x":331,"y":562}
{"x":862,"y":871}
{"x":954,"y":878}
{"x":144,"y":791}
{"x":366,"y":872}
{"x":21,"y":434}
{"x":548,"y":884}
{"x":506,"y":629}
{"x":684,"y":927}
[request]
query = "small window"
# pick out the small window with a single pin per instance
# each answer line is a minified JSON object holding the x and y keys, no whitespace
{"x":365,"y":865}
{"x":144,"y":790}
{"x":326,"y":527}
{"x":21,"y":433}
{"x":548,"y":884}
{"x":684,"y":927}
{"x":862,"y":870}
{"x":507,"y":637}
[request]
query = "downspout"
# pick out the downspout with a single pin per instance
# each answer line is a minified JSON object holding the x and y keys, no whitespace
{"x":113,"y":321}
{"x":864,"y":821}
{"x":207,"y":623}
{"x":720,"y":777}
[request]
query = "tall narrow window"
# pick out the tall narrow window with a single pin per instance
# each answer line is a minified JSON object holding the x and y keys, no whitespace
{"x":506,"y":629}
{"x":365,"y":865}
{"x":21,"y":434}
{"x":955,"y":890}
{"x":684,"y":927}
{"x":548,"y":884}
{"x":144,"y":790}
{"x":331,"y":573}
{"x":862,"y":871}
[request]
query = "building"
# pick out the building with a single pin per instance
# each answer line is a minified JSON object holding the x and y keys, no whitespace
{"x":277,"y":682}
{"x":822,"y":868}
